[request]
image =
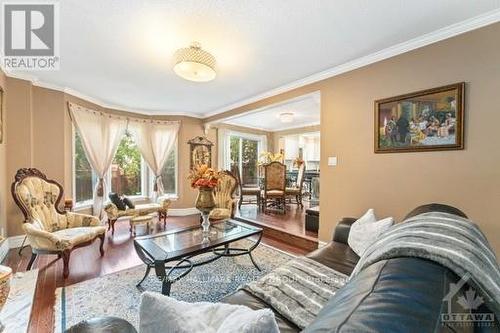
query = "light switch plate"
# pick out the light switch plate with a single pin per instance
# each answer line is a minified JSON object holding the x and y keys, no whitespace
{"x":332,"y":161}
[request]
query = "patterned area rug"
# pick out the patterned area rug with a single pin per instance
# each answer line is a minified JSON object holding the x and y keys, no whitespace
{"x":116,"y":295}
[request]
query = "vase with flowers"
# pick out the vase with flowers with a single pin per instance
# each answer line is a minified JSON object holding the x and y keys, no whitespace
{"x":204,"y":179}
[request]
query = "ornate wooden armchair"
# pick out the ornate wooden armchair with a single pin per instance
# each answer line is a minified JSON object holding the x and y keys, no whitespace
{"x":274,"y":185}
{"x":49,"y":229}
{"x":225,"y":204}
{"x":296,"y":191}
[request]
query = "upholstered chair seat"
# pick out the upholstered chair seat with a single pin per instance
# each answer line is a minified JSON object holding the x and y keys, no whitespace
{"x":296,"y":191}
{"x":224,"y":201}
{"x":48,"y":229}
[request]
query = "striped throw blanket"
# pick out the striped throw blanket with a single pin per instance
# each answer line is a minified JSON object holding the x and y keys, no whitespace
{"x":447,"y":239}
{"x":299,"y":289}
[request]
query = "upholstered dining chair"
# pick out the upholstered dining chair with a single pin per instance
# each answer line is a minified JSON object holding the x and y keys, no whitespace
{"x":245,"y":191}
{"x":49,"y":229}
{"x":274,"y":185}
{"x":296,"y":191}
{"x":225,"y":204}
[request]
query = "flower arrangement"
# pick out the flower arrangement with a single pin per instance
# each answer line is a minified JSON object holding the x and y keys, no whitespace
{"x":298,"y":162}
{"x":203,"y":176}
{"x":268,"y":157}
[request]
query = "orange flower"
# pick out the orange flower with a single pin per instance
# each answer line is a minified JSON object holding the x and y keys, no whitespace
{"x":203,"y":176}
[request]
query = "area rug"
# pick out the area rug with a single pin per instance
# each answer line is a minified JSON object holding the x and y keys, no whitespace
{"x":116,"y":294}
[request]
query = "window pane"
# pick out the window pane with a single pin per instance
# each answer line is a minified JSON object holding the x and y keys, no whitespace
{"x":168,"y":174}
{"x":234,"y":150}
{"x":249,"y":160}
{"x":83,"y":172}
{"x":126,"y":168}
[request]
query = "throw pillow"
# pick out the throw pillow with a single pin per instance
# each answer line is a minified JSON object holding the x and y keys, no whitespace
{"x":128,"y":202}
{"x":366,"y":230}
{"x":159,"y":313}
{"x":115,"y":199}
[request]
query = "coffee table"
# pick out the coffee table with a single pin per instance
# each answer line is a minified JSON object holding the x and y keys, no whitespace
{"x":171,"y":251}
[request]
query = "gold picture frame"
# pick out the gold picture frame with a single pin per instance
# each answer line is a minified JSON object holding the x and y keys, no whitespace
{"x":200,"y":151}
{"x":426,"y":120}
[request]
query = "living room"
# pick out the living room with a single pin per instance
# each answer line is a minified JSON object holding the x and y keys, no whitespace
{"x":160,"y":112}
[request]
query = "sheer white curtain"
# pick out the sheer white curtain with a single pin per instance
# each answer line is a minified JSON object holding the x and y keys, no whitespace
{"x":155,"y":140}
{"x":101,"y":134}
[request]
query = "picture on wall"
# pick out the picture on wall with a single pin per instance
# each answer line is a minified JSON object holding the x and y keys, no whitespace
{"x":427,"y":120}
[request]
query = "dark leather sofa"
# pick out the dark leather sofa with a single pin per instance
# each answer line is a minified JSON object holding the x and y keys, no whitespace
{"x":395,"y":295}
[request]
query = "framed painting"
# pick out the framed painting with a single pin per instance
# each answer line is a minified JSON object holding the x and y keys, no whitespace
{"x":427,"y":120}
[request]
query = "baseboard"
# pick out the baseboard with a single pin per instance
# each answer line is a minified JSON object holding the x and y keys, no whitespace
{"x":183,"y":211}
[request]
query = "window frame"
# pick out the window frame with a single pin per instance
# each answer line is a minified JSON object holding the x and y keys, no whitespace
{"x":147,"y":178}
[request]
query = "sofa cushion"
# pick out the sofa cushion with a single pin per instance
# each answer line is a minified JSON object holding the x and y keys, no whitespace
{"x":117,"y":201}
{"x":366,"y":230}
{"x":337,"y":256}
{"x":396,"y":295}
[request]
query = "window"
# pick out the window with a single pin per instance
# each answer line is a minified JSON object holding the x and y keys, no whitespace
{"x":127,"y":168}
{"x":244,"y":153}
{"x":169,"y":173}
{"x":84,"y":178}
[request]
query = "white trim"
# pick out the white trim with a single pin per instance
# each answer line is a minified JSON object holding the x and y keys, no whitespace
{"x":410,"y":45}
{"x":450,"y":31}
{"x":183,"y":211}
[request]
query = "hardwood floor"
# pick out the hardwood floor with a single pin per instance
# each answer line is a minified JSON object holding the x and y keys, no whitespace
{"x":293,"y":221}
{"x":86,"y":263}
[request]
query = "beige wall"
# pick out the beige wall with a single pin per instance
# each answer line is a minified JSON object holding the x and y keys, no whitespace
{"x":393,"y":184}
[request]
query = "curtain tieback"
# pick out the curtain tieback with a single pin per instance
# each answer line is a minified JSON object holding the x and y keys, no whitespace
{"x":100,"y":187}
{"x":157,"y":180}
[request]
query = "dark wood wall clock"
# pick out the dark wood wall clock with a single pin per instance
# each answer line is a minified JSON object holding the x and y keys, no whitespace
{"x":200,"y":151}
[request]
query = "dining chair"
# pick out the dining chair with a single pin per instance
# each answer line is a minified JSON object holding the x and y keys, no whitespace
{"x":296,"y":191}
{"x":245,"y":191}
{"x":275,"y":185}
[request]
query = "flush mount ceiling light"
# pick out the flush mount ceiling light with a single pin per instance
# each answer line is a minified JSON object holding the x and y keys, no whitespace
{"x":286,"y":117}
{"x":195,"y":64}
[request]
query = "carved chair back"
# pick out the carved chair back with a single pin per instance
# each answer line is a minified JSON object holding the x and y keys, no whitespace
{"x":224,"y":191}
{"x":274,"y":176}
{"x":39,"y":199}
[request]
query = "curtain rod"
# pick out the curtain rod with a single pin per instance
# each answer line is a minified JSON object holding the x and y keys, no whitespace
{"x":129,"y":118}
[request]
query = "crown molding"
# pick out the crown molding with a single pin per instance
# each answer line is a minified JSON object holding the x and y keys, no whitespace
{"x":453,"y":30}
{"x":42,"y":84}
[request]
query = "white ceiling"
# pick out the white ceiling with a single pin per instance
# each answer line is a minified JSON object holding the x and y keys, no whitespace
{"x":120,"y":52}
{"x":306,"y":110}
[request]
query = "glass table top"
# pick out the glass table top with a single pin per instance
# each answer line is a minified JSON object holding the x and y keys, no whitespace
{"x":220,"y":233}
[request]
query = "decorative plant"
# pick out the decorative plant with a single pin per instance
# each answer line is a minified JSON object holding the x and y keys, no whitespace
{"x":268,"y":157}
{"x":203,"y":176}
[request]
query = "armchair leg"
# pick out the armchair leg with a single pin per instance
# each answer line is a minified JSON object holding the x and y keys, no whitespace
{"x":65,"y":255}
{"x":112,"y":223}
{"x":30,"y":263}
{"x":240,"y":202}
{"x":101,"y":247}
